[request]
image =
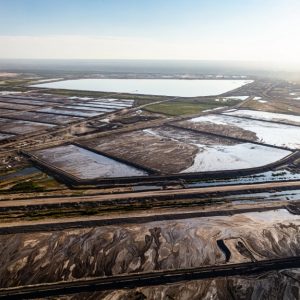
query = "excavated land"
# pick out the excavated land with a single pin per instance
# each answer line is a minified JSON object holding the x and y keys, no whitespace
{"x":165,"y":149}
{"x":167,"y":245}
{"x":52,"y":234}
{"x":21,"y":127}
{"x":44,"y":117}
{"x":272,"y":285}
{"x":276,"y":105}
{"x":284,"y":119}
{"x":164,"y":155}
{"x":223,"y":129}
{"x":84,"y":164}
{"x":265,"y":132}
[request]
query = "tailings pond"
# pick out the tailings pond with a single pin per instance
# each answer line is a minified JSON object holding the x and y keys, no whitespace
{"x":252,"y":130}
{"x":85,"y":164}
{"x":265,"y":116}
{"x":172,"y":150}
{"x":166,"y":87}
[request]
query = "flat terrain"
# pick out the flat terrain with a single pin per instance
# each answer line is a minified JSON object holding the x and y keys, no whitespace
{"x":146,"y":196}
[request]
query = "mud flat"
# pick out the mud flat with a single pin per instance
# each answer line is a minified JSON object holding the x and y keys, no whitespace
{"x":112,"y":102}
{"x":44,"y":117}
{"x":23,"y":101}
{"x":85,"y":164}
{"x":259,"y":131}
{"x":96,"y":109}
{"x":16,"y":106}
{"x":27,"y":258}
{"x":95,"y":106}
{"x":4,"y":136}
{"x":266,"y":116}
{"x":242,"y":156}
{"x":220,"y":154}
{"x":22,"y":127}
{"x":69,"y":112}
{"x":170,"y":87}
{"x":164,"y":155}
{"x":5,"y":111}
{"x":278,"y":104}
{"x":172,"y":150}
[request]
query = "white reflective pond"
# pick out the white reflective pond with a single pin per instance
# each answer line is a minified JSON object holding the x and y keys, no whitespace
{"x":166,"y":87}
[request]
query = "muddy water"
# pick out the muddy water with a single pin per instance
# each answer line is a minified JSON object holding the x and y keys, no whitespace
{"x":109,"y":104}
{"x":23,"y":101}
{"x":76,"y":113}
{"x":265,"y":132}
{"x":51,"y":118}
{"x":167,"y":156}
{"x":28,"y":258}
{"x":23,"y":172}
{"x":242,"y":156}
{"x":80,"y":107}
{"x":85,"y":164}
{"x":262,"y":115}
{"x":22,"y":127}
{"x":16,"y":106}
{"x":219,"y":153}
{"x":173,"y":150}
{"x":4,"y":136}
{"x":282,"y":175}
{"x":266,"y":196}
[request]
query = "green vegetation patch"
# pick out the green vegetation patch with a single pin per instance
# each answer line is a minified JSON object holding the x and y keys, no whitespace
{"x":180,"y":108}
{"x":26,"y":186}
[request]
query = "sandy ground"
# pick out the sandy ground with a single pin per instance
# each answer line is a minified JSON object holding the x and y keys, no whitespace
{"x":160,"y":245}
{"x":165,"y":155}
{"x":153,"y":194}
{"x":273,"y":285}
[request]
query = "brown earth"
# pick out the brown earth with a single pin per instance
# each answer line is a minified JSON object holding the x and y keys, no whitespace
{"x":165,"y":155}
{"x":225,"y":130}
{"x":29,"y":258}
{"x":167,"y":149}
{"x":273,"y":285}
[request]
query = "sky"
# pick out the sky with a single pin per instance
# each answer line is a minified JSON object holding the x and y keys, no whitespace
{"x":242,"y":30}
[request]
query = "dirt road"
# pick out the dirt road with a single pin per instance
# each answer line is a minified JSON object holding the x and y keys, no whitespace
{"x":171,"y":194}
